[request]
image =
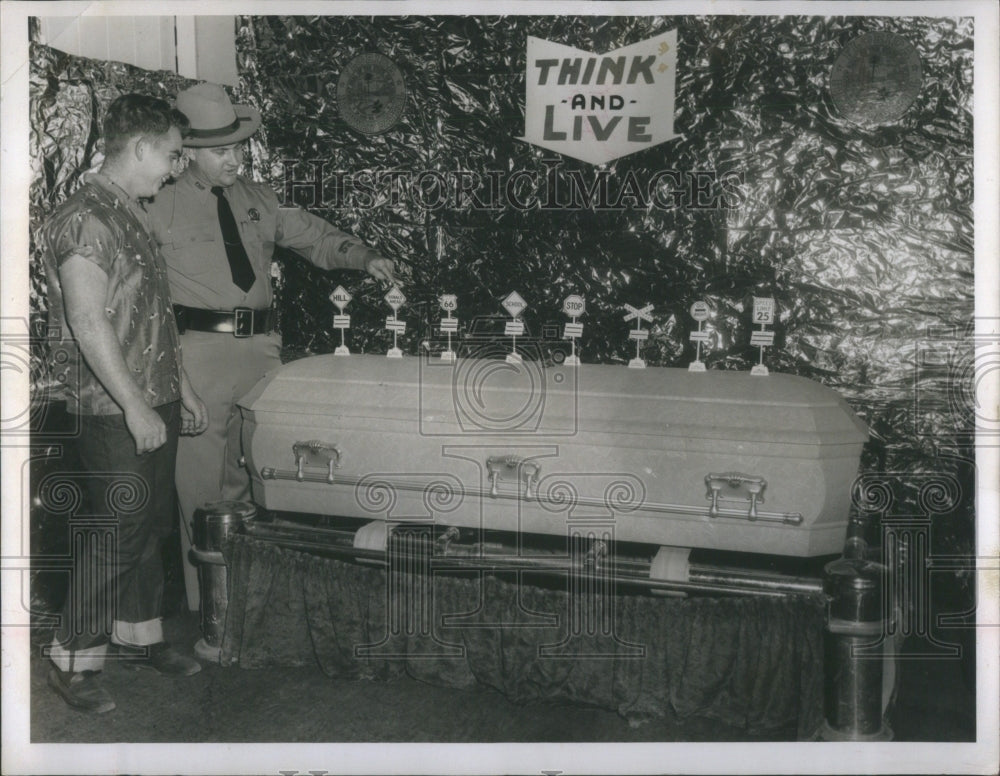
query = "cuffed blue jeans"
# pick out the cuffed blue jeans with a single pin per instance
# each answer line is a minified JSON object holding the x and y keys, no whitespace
{"x":116,"y":585}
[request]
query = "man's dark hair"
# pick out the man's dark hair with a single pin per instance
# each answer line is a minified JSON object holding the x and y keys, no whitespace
{"x":139,"y":114}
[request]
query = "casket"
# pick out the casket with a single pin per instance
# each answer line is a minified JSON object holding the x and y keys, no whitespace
{"x":718,"y":459}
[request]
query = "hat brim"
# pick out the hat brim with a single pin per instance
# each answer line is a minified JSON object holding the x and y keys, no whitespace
{"x":249,"y":119}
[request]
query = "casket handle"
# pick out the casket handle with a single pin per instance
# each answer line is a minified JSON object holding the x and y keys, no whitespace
{"x":316,"y":453}
{"x":514,"y":465}
{"x":752,"y":485}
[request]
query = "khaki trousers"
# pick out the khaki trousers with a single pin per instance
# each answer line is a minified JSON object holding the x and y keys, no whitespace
{"x":222,"y":368}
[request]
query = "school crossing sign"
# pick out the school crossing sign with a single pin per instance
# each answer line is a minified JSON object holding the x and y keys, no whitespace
{"x":600,"y":107}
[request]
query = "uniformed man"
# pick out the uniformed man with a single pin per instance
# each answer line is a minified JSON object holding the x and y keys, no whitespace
{"x":217,"y":231}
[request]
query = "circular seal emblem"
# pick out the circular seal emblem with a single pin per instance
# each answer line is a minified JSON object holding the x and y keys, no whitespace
{"x":371,"y":94}
{"x":875,"y":78}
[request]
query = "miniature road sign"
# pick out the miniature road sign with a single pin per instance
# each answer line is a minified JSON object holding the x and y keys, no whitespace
{"x":514,"y":304}
{"x":574,"y":306}
{"x":763,"y":314}
{"x":449,"y":325}
{"x":700,"y":312}
{"x":763,"y":310}
{"x":640,"y":314}
{"x":395,"y":298}
{"x":514,"y":328}
{"x":341,"y":298}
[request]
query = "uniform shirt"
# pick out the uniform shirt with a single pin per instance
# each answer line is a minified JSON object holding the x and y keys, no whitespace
{"x":100,"y":223}
{"x":185,"y":223}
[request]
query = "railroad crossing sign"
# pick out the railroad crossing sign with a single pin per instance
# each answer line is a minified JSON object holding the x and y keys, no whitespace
{"x":639,"y":314}
{"x":341,"y":298}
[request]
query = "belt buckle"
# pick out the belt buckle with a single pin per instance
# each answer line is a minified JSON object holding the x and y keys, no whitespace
{"x":242,"y":322}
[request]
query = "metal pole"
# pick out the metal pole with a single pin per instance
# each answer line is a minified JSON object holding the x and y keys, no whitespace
{"x":853,"y":652}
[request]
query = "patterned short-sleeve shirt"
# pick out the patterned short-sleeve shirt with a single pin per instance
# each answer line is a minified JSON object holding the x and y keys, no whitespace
{"x":101,"y":224}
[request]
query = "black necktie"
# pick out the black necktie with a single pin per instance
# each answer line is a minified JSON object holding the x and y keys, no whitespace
{"x":239,"y":262}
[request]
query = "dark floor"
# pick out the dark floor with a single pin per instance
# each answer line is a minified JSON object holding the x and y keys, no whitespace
{"x":303,"y":705}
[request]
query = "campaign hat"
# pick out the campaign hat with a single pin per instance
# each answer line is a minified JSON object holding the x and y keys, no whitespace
{"x":215,"y":119}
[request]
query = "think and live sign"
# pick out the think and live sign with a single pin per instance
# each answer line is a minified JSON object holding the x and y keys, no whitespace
{"x":599,"y":107}
{"x":569,"y":74}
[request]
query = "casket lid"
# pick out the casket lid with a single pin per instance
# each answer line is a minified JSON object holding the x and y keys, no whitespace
{"x":723,"y":405}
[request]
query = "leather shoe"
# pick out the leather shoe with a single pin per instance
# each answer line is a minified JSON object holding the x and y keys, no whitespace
{"x":81,"y":690}
{"x":162,"y":658}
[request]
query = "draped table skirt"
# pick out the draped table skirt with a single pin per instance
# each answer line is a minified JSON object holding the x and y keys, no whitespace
{"x":751,"y":662}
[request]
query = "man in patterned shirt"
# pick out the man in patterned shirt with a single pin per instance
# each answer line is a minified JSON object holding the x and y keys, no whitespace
{"x":109,"y":299}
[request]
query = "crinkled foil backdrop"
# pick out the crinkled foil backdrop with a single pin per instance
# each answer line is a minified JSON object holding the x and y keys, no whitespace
{"x":68,"y":96}
{"x":863,"y":235}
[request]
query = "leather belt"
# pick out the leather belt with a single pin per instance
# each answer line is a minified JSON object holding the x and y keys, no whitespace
{"x":240,"y":322}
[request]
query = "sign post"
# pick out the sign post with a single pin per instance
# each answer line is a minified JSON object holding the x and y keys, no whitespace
{"x":341,"y":298}
{"x":638,"y":333}
{"x":574,"y":306}
{"x":699,"y":311}
{"x":514,"y":305}
{"x":395,"y":299}
{"x":449,"y":325}
{"x":763,"y":314}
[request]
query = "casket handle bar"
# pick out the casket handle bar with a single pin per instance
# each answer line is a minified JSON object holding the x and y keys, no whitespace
{"x":316,"y":453}
{"x":752,"y":486}
{"x":512,"y":466}
{"x":502,"y":467}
